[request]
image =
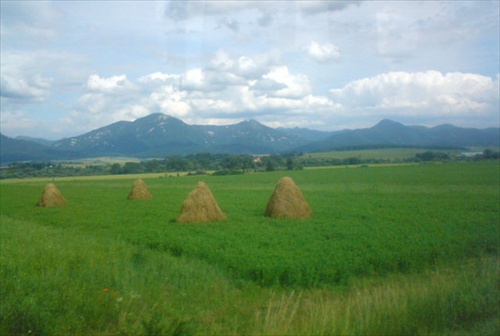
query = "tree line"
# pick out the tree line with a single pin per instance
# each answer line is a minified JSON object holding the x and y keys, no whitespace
{"x":219,"y":164}
{"x":222,"y":164}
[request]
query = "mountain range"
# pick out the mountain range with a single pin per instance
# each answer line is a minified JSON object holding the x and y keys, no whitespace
{"x":160,"y":135}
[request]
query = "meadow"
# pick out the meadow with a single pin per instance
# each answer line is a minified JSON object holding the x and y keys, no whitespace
{"x":389,"y":154}
{"x":390,"y":250}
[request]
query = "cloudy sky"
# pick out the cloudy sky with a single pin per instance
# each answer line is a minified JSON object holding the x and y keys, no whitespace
{"x":68,"y":67}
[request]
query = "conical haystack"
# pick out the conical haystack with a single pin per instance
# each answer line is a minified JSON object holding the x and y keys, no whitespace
{"x":201,"y":206}
{"x":287,"y":201}
{"x":51,"y":197}
{"x":139,"y":191}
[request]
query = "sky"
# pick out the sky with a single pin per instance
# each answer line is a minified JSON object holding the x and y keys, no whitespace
{"x":68,"y":67}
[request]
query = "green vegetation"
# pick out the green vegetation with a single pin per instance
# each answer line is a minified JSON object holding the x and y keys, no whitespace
{"x":229,"y":164}
{"x":396,"y":155}
{"x":389,"y":250}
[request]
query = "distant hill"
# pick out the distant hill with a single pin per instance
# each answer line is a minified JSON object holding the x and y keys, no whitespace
{"x":15,"y":150}
{"x":160,"y":135}
{"x":307,"y":134}
{"x":392,"y":134}
{"x":40,"y":141}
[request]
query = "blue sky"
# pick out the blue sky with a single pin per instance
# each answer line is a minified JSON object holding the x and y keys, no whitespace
{"x":68,"y":67}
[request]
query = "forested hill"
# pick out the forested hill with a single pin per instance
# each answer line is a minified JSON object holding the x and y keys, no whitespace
{"x":388,"y":133}
{"x":159,"y":135}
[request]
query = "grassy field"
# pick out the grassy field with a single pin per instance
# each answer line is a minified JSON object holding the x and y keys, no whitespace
{"x":390,"y":250}
{"x":392,"y":154}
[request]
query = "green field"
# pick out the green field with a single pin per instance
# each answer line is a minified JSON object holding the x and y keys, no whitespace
{"x":392,"y":154}
{"x":389,"y":250}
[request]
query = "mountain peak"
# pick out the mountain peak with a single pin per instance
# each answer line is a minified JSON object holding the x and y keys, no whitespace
{"x":155,"y":116}
{"x":387,"y":123}
{"x":252,"y":123}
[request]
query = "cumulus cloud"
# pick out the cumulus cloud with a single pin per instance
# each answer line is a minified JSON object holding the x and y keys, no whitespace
{"x":283,"y":98}
{"x":248,"y":67}
{"x":113,"y":84}
{"x":295,"y":86}
{"x":322,"y":53}
{"x":231,"y":86}
{"x":428,"y":93}
{"x":267,"y":84}
{"x":33,"y":89}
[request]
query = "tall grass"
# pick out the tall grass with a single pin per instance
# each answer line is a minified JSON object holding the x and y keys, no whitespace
{"x":58,"y":282}
{"x":54,"y":282}
{"x":460,"y":299}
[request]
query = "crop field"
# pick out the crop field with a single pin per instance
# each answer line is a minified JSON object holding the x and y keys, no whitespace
{"x":389,"y":250}
{"x":382,"y":153}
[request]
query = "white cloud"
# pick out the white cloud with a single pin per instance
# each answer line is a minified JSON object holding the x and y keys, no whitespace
{"x":428,"y":93}
{"x":222,"y":61}
{"x":41,"y":72}
{"x":168,"y":100}
{"x":248,"y":67}
{"x":322,"y":53}
{"x":296,"y":86}
{"x":194,"y":79}
{"x":113,"y":84}
{"x":158,"y":76}
{"x":279,"y":97}
{"x":33,"y":89}
{"x":224,"y":89}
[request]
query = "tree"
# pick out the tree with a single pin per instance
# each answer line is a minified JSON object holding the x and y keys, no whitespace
{"x":115,"y":169}
{"x":432,"y":156}
{"x":132,"y":168}
{"x":178,"y":163}
{"x":489,"y":154}
{"x":152,"y":166}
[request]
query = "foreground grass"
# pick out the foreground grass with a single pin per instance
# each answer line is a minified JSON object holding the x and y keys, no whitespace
{"x":394,"y":250}
{"x":55,"y":282}
{"x":462,"y":299}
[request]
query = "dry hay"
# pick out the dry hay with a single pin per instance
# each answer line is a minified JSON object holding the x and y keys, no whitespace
{"x":287,"y":201}
{"x":201,"y":206}
{"x":139,"y":191}
{"x":51,"y":197}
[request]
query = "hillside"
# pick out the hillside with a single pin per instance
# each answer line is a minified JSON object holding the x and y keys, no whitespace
{"x":392,"y":134}
{"x":12,"y":150}
{"x":161,"y":135}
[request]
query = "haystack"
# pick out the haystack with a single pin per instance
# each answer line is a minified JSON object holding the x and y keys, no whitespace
{"x":51,"y":197}
{"x":287,"y":201}
{"x":139,"y":191}
{"x":201,"y":206}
